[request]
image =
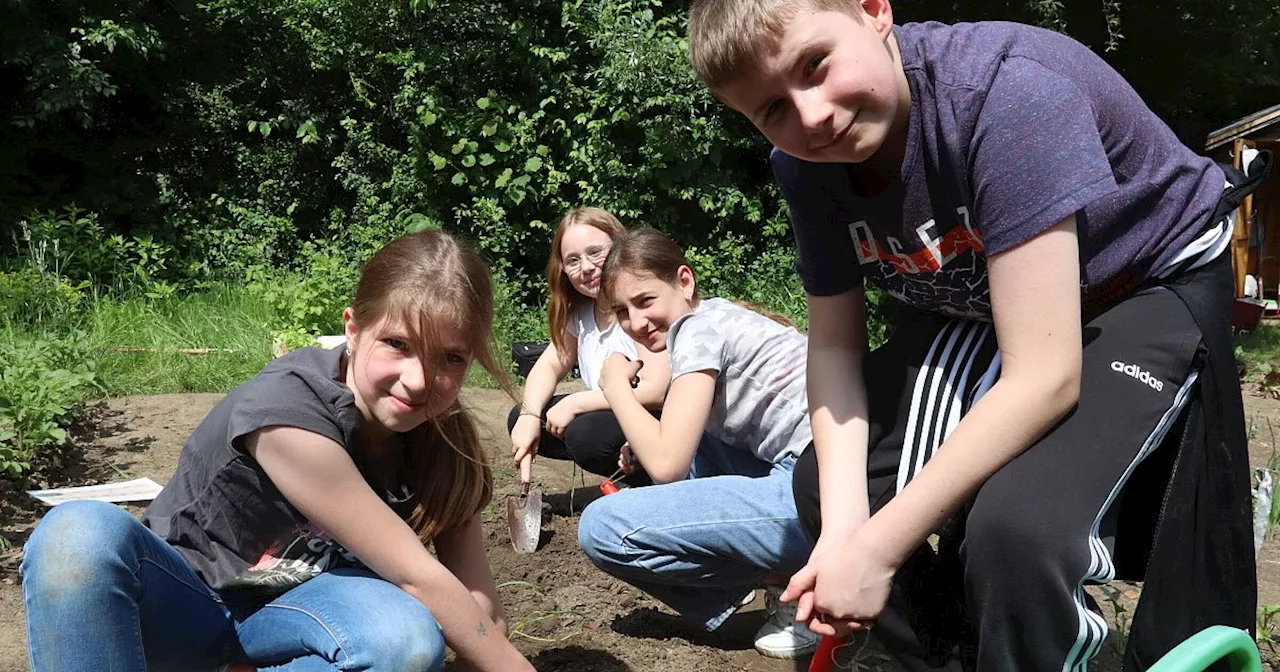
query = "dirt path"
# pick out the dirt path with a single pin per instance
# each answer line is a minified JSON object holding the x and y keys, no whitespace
{"x":566,"y":615}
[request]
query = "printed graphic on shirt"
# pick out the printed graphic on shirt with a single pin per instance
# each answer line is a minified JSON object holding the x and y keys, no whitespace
{"x":305,"y":555}
{"x":760,"y":403}
{"x":940,"y":265}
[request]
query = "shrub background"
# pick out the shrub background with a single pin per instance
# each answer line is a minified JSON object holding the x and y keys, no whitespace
{"x":210,"y":174}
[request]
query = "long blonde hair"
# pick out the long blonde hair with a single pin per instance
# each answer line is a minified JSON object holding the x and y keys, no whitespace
{"x":564,"y":298}
{"x":432,"y":283}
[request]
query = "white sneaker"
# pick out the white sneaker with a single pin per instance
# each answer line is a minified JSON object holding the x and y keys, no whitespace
{"x":781,"y":636}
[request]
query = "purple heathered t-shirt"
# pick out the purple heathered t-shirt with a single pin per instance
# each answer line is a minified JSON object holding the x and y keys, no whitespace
{"x":1012,"y":129}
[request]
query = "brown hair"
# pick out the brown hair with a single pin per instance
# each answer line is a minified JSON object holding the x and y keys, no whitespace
{"x":434,"y":284}
{"x":644,"y":250}
{"x":771,"y":314}
{"x":648,"y":250}
{"x":727,"y":37}
{"x":564,"y":298}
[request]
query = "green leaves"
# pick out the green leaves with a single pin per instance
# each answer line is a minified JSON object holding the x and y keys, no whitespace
{"x":43,"y":383}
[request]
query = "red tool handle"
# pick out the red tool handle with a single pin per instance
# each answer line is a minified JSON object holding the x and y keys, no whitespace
{"x":824,"y":656}
{"x":608,"y":487}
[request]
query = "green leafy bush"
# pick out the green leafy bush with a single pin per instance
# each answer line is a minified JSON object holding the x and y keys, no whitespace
{"x":74,"y":245}
{"x":43,"y":384}
{"x":310,"y":301}
{"x":30,"y":298}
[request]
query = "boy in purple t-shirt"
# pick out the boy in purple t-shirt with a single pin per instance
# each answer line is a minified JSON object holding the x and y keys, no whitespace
{"x":1067,"y":250}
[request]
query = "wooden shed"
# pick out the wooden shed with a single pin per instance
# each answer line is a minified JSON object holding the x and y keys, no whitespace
{"x":1255,"y":246}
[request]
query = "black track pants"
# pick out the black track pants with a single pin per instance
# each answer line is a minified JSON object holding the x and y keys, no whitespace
{"x":1013,"y":563}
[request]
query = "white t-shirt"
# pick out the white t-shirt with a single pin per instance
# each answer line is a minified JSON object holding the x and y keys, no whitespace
{"x":594,"y":345}
{"x":760,"y":402}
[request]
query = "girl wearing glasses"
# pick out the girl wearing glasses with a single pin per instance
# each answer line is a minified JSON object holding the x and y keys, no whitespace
{"x":580,"y":426}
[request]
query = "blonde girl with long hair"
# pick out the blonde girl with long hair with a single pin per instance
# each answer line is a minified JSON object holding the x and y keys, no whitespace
{"x":295,"y":532}
{"x":580,"y":426}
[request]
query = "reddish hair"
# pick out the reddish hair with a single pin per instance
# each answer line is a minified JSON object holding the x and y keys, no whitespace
{"x":564,"y":298}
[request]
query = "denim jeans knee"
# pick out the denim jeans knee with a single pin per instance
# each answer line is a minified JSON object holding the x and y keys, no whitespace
{"x":70,"y":544}
{"x":99,"y":586}
{"x":697,"y":545}
{"x":351,"y":618}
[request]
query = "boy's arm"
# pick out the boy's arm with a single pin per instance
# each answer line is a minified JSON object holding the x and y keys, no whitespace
{"x":1035,"y":297}
{"x":664,"y":447}
{"x":1035,"y":303}
{"x":838,"y":409}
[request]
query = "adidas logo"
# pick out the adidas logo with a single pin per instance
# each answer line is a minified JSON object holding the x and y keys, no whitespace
{"x":1134,"y":371}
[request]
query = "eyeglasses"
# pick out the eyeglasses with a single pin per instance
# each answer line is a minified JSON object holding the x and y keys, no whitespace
{"x":595,"y":254}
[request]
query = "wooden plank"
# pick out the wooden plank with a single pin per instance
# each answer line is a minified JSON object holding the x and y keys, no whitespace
{"x":1240,"y":235}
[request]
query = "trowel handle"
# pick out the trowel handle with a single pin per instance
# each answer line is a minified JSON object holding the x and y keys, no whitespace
{"x":526,"y":471}
{"x":822,"y":657}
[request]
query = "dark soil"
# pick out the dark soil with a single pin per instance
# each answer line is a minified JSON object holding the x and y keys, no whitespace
{"x":564,"y":614}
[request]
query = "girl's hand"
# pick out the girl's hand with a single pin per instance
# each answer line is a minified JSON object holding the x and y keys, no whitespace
{"x":560,"y":415}
{"x":619,"y":369}
{"x":627,"y":459}
{"x":844,"y":587}
{"x":524,"y":437}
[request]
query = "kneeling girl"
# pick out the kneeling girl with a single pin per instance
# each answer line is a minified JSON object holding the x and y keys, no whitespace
{"x":294,"y":534}
{"x":724,"y":522}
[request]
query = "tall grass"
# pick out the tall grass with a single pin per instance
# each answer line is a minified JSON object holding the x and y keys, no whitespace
{"x":140,"y":340}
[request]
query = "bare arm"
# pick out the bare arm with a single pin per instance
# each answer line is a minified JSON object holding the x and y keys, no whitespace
{"x":461,"y":550}
{"x":318,"y":477}
{"x":655,"y":376}
{"x":652,"y":390}
{"x":664,"y":447}
{"x":838,"y":408}
{"x":1035,"y":302}
{"x":552,"y":366}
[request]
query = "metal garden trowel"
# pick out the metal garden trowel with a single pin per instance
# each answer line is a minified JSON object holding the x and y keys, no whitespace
{"x":524,"y":512}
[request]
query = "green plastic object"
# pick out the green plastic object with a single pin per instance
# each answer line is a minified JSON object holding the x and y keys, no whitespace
{"x":1215,"y":643}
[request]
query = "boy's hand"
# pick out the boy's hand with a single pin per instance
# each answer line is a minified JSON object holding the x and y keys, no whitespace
{"x":844,"y":586}
{"x":619,"y":370}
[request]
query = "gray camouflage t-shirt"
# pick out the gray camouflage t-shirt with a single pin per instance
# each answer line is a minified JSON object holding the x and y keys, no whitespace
{"x":760,"y":403}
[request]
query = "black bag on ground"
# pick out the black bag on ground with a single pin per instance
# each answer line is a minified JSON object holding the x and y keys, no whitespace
{"x":526,"y":354}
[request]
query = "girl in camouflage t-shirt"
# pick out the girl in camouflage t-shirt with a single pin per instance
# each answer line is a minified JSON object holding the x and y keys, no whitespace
{"x":725,"y":520}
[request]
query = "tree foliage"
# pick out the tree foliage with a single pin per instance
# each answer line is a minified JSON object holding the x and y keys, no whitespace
{"x":233,"y":136}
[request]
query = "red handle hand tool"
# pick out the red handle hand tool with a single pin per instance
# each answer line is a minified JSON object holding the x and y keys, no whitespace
{"x":824,"y":656}
{"x":607,"y":486}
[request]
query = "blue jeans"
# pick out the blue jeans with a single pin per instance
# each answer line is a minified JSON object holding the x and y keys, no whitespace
{"x":103,"y":592}
{"x":700,"y":544}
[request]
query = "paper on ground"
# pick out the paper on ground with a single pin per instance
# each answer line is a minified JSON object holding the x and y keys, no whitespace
{"x":128,"y":491}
